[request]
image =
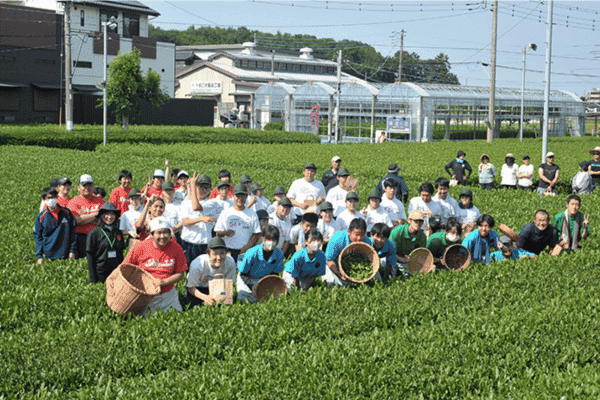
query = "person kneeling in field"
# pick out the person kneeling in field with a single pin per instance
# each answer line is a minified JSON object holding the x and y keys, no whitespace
{"x":386,"y":250}
{"x":307,"y":264}
{"x":508,"y":251}
{"x":408,"y":237}
{"x":572,"y":224}
{"x":163,"y":258}
{"x":204,"y":268}
{"x":440,"y":241}
{"x":259,"y":261}
{"x":299,"y":231}
{"x":54,"y":230}
{"x":356,"y":232}
{"x":539,"y":234}
{"x":480,"y":241}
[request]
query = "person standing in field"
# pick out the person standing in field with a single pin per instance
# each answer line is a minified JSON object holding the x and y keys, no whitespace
{"x":574,"y":227}
{"x":392,"y":173}
{"x":425,"y":203}
{"x":327,"y":225}
{"x":525,"y":175}
{"x":329,"y":179}
{"x":374,"y":213}
{"x":337,"y":195}
{"x":549,"y":174}
{"x":105,"y":244}
{"x":307,"y":188}
{"x":280,"y":219}
{"x":120,"y":195}
{"x":223,"y":176}
{"x":391,"y":204}
{"x":163,"y":258}
{"x":131,"y":216}
{"x":154,"y":185}
{"x":350,"y":213}
{"x":487,"y":173}
{"x":594,"y":167}
{"x":84,"y":208}
{"x":457,"y":167}
{"x":54,"y":230}
{"x":582,"y":181}
{"x":63,"y":188}
{"x":509,"y":172}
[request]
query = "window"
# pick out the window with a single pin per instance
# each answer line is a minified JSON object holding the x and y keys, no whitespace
{"x":82,"y":64}
{"x":46,"y":61}
{"x":131,"y":25}
{"x":105,"y":16}
{"x":252,"y":64}
{"x":82,"y":16}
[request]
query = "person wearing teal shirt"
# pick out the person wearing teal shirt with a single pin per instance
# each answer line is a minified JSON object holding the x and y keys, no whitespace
{"x":507,"y":250}
{"x":356,"y":232}
{"x":480,"y":241}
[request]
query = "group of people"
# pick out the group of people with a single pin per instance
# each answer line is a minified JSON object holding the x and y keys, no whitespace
{"x":181,"y":222}
{"x":514,"y":176}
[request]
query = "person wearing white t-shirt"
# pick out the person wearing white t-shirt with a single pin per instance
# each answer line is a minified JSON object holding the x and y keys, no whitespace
{"x":425,"y":203}
{"x":299,"y":231}
{"x":509,"y":172}
{"x":222,"y":201}
{"x":181,"y":194}
{"x":467,"y":213}
{"x":172,"y":210}
{"x":391,"y":204}
{"x":280,"y":219}
{"x":525,"y":175}
{"x":198,"y":217}
{"x":374,"y":213}
{"x":238,"y":225}
{"x":307,"y":188}
{"x":204,"y":269}
{"x":337,"y":195}
{"x":327,"y":225}
{"x":350,"y":213}
{"x":448,"y":204}
{"x":261,"y":202}
{"x":130,"y":217}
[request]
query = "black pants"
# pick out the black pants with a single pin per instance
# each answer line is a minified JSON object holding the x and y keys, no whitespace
{"x":487,"y":186}
{"x":81,"y":243}
{"x":193,"y":301}
{"x":192,"y":250}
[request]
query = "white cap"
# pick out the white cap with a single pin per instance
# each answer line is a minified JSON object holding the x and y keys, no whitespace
{"x":159,"y":223}
{"x":549,"y":154}
{"x":85,"y":178}
{"x":159,"y":173}
{"x":182,"y":172}
{"x":336,"y":158}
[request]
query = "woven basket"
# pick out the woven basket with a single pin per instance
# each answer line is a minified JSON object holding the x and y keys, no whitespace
{"x":129,"y":289}
{"x":421,"y":262}
{"x":456,"y":257}
{"x":363,"y":248}
{"x":269,"y":286}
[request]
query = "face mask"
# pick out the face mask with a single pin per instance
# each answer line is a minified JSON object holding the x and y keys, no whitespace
{"x":452,"y":238}
{"x":51,"y":203}
{"x":136,"y":206}
{"x":314,"y":246}
{"x":270,"y":245}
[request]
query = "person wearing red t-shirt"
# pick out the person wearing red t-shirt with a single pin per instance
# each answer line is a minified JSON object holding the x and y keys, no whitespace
{"x":224,"y":176}
{"x":85,"y":207}
{"x":120,"y":195}
{"x":63,"y":188}
{"x":163,"y":258}
{"x":154,"y":185}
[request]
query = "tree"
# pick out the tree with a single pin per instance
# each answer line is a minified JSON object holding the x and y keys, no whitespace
{"x":126,"y":86}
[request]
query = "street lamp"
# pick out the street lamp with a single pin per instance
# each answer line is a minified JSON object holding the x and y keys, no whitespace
{"x":533,"y":47}
{"x":112,"y":24}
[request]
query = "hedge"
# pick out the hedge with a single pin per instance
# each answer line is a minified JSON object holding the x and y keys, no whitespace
{"x":87,"y":137}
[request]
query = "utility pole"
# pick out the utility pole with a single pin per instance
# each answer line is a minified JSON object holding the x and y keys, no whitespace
{"x":491,"y":120}
{"x":337,"y":97}
{"x":68,"y":66}
{"x":400,"y":56}
{"x":547,"y":87}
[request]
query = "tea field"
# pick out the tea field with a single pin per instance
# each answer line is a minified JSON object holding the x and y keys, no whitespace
{"x":527,"y":329}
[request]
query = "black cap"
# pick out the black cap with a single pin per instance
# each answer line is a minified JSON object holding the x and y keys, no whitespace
{"x":204,"y":180}
{"x":109,"y":207}
{"x":326,"y":206}
{"x":262,"y":214}
{"x":239,"y":189}
{"x":217,"y":243}
{"x":351,"y":195}
{"x":526,"y":157}
{"x":54,"y":182}
{"x":279,"y":190}
{"x":310,"y":166}
{"x":245,"y":178}
{"x":285,"y":202}
{"x":223,"y":184}
{"x":343,"y":172}
{"x":168,"y":185}
{"x":460,"y":153}
{"x":64,"y":180}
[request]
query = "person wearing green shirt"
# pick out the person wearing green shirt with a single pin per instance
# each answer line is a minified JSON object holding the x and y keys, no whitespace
{"x":572,"y":224}
{"x":408,"y":237}
{"x":438,"y":242}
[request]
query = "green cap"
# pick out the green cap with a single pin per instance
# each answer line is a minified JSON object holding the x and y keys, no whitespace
{"x":279,"y":190}
{"x":262,"y":214}
{"x":351,"y":196}
{"x":168,"y":185}
{"x":325,"y":206}
{"x":239,"y":189}
{"x":255,"y":187}
{"x":222,"y":184}
{"x":466,"y":192}
{"x":204,"y":180}
{"x":217,"y":243}
{"x":374,"y":194}
{"x":285,"y":202}
{"x":134,"y":192}
{"x":245,"y":178}
{"x":343,"y":172}
{"x":310,"y":166}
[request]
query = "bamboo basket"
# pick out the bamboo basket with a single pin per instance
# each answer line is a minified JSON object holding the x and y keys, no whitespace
{"x":129,"y":289}
{"x":363,"y":248}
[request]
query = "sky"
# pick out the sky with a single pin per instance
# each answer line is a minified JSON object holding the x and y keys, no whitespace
{"x":460,"y":29}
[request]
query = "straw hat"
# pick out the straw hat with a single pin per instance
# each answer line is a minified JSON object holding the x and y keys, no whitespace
{"x":596,"y":150}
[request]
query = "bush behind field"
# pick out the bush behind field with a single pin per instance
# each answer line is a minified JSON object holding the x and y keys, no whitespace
{"x":525,"y":329}
{"x":87,"y":137}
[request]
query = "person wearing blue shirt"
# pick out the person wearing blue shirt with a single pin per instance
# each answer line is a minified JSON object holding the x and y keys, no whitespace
{"x":480,"y":241}
{"x":386,"y":250}
{"x":306,"y":264}
{"x":260,"y":261}
{"x":356,"y":232}
{"x":507,"y":250}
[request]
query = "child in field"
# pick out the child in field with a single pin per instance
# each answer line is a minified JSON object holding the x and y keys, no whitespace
{"x":390,"y":202}
{"x":154,"y":186}
{"x":408,"y":237}
{"x":374,"y":213}
{"x":105,"y":244}
{"x":327,"y":225}
{"x":487,"y":173}
{"x":171,"y":209}
{"x":130,"y":217}
{"x":447,"y":203}
{"x":263,"y":220}
{"x":573,"y":226}
{"x":481,"y":241}
{"x":259,"y":261}
{"x":307,"y":264}
{"x":356,"y":232}
{"x":525,"y":175}
{"x":63,"y":188}
{"x":120,"y":195}
{"x":204,"y":269}
{"x":84,"y":208}
{"x":299,"y":231}
{"x":438,"y":242}
{"x":386,"y":250}
{"x":509,"y":172}
{"x":425,"y":203}
{"x":582,"y":181}
{"x":261,"y":203}
{"x":280,"y":219}
{"x":508,"y":251}
{"x":223,"y":176}
{"x":467,"y":213}
{"x":181,"y":187}
{"x":337,"y":195}
{"x":350,"y":213}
